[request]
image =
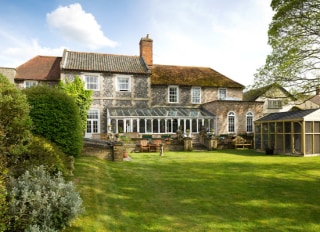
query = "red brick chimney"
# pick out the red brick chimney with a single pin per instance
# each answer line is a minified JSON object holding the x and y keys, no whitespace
{"x":146,"y":50}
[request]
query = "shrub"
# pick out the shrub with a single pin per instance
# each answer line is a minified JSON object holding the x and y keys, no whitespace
{"x":3,"y":206}
{"x":40,"y":202}
{"x":81,"y":95}
{"x":15,"y":123}
{"x":56,"y":117}
{"x":43,"y":152}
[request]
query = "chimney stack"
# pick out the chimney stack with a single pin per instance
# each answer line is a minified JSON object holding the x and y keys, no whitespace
{"x":146,"y":50}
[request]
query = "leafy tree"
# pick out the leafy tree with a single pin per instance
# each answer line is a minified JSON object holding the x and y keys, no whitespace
{"x":82,"y":97}
{"x":56,"y":117}
{"x":295,"y":40}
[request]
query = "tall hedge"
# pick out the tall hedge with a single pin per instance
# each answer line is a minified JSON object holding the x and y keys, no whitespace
{"x":15,"y":123}
{"x":15,"y":135}
{"x":55,"y":116}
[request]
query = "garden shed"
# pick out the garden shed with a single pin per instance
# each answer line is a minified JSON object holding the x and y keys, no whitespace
{"x":294,"y":132}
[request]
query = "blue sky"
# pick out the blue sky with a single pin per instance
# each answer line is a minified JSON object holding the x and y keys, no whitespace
{"x":229,"y":36}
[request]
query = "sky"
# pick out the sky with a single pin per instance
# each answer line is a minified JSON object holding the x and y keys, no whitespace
{"x":229,"y":36}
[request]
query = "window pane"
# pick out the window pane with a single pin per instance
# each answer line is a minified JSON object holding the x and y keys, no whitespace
{"x":29,"y":84}
{"x":91,"y":82}
{"x":95,"y":127}
{"x":297,"y":127}
{"x":173,"y":94}
{"x":123,"y":83}
{"x":222,"y":94}
{"x":88,"y":126}
{"x":231,"y":122}
{"x":249,"y":123}
{"x":195,"y":95}
{"x":274,"y":104}
{"x":316,"y":127}
{"x":308,"y":127}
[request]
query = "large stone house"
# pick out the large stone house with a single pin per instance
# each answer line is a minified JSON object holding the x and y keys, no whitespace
{"x":131,"y":94}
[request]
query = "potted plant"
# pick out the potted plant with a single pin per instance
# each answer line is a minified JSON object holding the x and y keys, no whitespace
{"x":269,"y":150}
{"x":126,"y":141}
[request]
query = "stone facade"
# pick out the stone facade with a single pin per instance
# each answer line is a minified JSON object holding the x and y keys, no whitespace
{"x":9,"y":73}
{"x":240,"y":108}
{"x":208,"y":94}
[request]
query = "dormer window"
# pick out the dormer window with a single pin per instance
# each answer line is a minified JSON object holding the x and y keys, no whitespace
{"x":173,"y":96}
{"x":274,"y":104}
{"x":222,"y":94}
{"x":123,"y":83}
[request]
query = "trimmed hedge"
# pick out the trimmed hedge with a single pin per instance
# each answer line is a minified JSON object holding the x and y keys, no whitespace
{"x":56,"y":117}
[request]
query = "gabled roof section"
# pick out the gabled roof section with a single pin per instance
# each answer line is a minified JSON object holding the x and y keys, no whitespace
{"x":99,"y":62}
{"x":315,"y":99}
{"x":285,"y":116}
{"x":40,"y":68}
{"x":191,"y":76}
{"x":254,"y":94}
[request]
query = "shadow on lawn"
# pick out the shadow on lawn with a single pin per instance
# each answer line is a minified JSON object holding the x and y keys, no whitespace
{"x":168,"y":194}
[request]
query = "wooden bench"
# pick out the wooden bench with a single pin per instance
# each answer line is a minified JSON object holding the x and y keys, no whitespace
{"x":241,"y":142}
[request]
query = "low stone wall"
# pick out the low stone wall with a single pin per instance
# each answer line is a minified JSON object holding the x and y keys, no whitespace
{"x":210,"y":143}
{"x":97,"y":149}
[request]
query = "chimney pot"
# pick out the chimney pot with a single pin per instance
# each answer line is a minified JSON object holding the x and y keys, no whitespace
{"x":146,"y":52}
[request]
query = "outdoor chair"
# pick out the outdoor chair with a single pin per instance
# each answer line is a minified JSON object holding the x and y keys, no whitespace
{"x":144,"y":146}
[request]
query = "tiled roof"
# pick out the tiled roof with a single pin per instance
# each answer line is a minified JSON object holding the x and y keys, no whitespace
{"x":98,"y":62}
{"x":253,"y":94}
{"x":315,"y":99}
{"x":290,"y":115}
{"x":45,"y":68}
{"x":188,"y":75}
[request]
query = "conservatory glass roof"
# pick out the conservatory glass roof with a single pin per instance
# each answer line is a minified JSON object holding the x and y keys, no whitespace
{"x":171,"y":112}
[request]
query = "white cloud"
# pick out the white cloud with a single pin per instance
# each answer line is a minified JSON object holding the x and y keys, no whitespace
{"x":23,"y":50}
{"x":74,"y":24}
{"x":230,"y":38}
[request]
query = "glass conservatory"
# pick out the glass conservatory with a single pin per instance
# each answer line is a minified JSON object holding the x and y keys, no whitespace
{"x":293,"y":132}
{"x":159,"y":120}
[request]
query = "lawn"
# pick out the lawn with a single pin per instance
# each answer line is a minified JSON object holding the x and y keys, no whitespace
{"x":232,"y":190}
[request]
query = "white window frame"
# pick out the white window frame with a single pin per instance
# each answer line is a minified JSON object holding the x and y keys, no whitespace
{"x":170,"y":96}
{"x":249,"y":122}
{"x":196,"y":95}
{"x":123,"y":87}
{"x":90,"y":84}
{"x":94,"y":121}
{"x":28,"y":84}
{"x":231,"y":122}
{"x":222,"y":94}
{"x":274,"y":104}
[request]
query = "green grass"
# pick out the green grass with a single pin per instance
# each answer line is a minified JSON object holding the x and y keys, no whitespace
{"x":233,"y":190}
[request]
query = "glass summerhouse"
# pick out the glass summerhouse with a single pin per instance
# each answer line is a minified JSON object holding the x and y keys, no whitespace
{"x":159,"y":120}
{"x":294,"y":132}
